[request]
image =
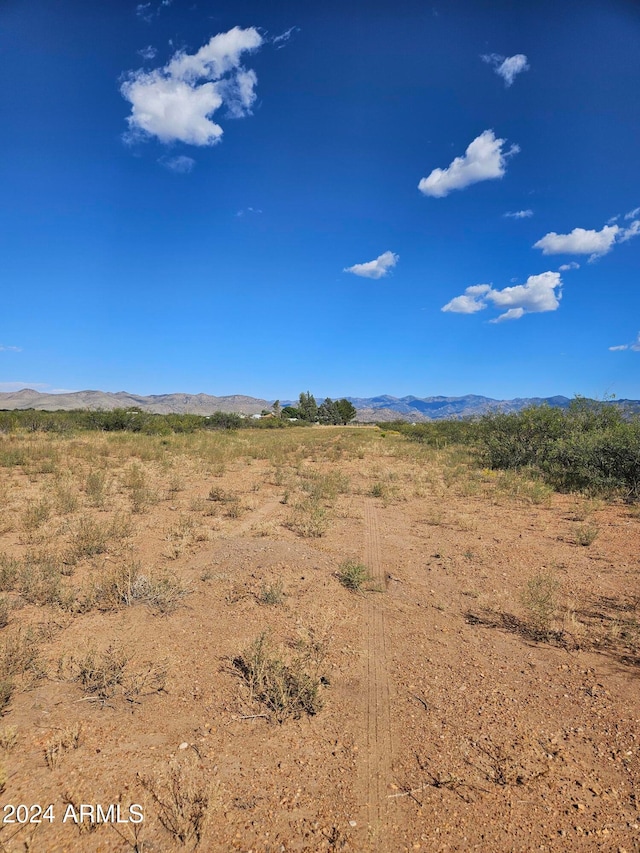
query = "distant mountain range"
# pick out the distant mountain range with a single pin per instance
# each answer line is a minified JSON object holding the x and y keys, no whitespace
{"x":370,"y":409}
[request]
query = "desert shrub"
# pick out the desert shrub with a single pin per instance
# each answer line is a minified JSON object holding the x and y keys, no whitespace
{"x":308,"y":519}
{"x":272,"y":594}
{"x":181,"y":794}
{"x":586,"y":534}
{"x":287,"y":689}
{"x":540,"y":600}
{"x":100,"y":673}
{"x":126,"y":584}
{"x":353,"y":575}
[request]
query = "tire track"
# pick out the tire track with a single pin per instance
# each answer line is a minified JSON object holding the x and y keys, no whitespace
{"x":378,"y":715}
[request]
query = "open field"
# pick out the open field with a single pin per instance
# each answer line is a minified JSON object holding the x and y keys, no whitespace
{"x":312,"y":639}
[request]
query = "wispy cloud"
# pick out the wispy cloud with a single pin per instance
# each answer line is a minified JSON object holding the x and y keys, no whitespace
{"x":635,"y":346}
{"x":507,"y":67}
{"x":246,"y":210}
{"x":572,"y":265}
{"x":148,"y":52}
{"x":6,"y":348}
{"x":147,"y":11}
{"x":582,"y":241}
{"x":632,"y":213}
{"x":540,"y":293}
{"x":379,"y":268}
{"x":180,"y":164}
{"x":483,"y":160}
{"x":283,"y":38}
{"x":175,"y":103}
{"x":519,"y":214}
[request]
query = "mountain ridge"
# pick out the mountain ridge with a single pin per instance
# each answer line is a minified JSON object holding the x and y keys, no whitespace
{"x":383,"y":407}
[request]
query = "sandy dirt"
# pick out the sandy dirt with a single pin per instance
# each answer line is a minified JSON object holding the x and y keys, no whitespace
{"x":450,"y":719}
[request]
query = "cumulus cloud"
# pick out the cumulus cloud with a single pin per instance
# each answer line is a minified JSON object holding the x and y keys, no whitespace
{"x":180,"y":164}
{"x":507,"y":67}
{"x":519,"y":214}
{"x":635,"y":346}
{"x":538,"y":294}
{"x":582,"y":241}
{"x":570,"y":266}
{"x":175,"y":103}
{"x":148,"y":52}
{"x":375,"y":269}
{"x":579,"y":242}
{"x":483,"y":160}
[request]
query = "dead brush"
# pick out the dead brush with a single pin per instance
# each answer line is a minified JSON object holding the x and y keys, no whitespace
{"x":100,"y":673}
{"x":286,"y":688}
{"x":60,"y":743}
{"x":19,"y":658}
{"x":182,"y":795}
{"x":39,"y":580}
{"x":126,"y":584}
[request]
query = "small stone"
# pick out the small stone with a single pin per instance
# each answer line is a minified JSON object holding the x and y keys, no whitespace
{"x":353,"y":823}
{"x":184,"y":745}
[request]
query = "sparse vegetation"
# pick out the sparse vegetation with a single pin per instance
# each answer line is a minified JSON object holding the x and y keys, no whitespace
{"x":586,"y":534}
{"x":287,"y":689}
{"x":61,"y":742}
{"x":540,"y":600}
{"x":272,"y":594}
{"x":181,"y":794}
{"x":353,"y":575}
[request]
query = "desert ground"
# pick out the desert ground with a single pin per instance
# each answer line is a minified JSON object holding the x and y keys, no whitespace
{"x":307,"y":640}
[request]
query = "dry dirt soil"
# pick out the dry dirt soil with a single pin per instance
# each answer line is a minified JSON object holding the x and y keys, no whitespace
{"x":177,"y":635}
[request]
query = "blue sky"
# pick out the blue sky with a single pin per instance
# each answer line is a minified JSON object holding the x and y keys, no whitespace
{"x":232,"y":198}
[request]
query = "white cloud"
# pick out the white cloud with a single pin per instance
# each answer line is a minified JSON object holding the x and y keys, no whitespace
{"x":519,"y":214}
{"x":175,"y":103}
{"x":148,"y":52}
{"x":632,"y":213}
{"x":579,"y":242}
{"x":635,"y":346}
{"x":483,"y":160}
{"x":587,"y":242}
{"x":507,"y":67}
{"x":540,"y":293}
{"x":375,"y":269}
{"x":572,"y":265}
{"x":248,"y":210}
{"x":284,"y":37}
{"x":4,"y":348}
{"x":471,"y":301}
{"x":148,"y":13}
{"x":180,"y":164}
{"x":632,"y":231}
{"x":143,"y":10}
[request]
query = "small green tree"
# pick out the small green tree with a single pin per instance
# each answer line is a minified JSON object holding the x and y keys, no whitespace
{"x":308,"y":407}
{"x":290,"y":412}
{"x":346,"y":410}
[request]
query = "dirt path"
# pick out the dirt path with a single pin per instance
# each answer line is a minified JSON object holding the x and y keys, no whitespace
{"x":377,"y":760}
